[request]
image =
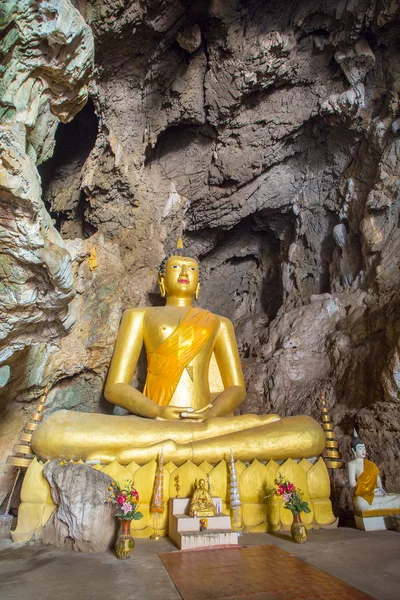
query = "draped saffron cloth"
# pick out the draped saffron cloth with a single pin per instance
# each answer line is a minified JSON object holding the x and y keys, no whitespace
{"x":166,"y":364}
{"x":367,"y":482}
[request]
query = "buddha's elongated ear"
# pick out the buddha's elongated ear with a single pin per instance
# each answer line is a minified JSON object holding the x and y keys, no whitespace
{"x":197,"y":292}
{"x":162,"y":286}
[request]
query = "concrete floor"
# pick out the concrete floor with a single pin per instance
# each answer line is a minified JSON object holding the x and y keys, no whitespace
{"x":369,"y":561}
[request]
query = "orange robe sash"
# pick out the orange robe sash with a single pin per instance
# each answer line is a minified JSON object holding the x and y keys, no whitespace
{"x":367,"y":482}
{"x":166,"y":364}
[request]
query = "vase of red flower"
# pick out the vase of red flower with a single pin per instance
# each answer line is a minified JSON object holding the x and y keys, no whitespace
{"x":125,"y":543}
{"x":294,"y":502}
{"x":126,"y":499}
{"x":298,"y":530}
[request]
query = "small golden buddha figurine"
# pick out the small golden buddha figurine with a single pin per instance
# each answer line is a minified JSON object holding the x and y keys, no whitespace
{"x":180,"y":411}
{"x":201,"y":504}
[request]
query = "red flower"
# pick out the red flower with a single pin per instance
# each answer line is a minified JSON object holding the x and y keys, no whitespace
{"x":290,"y":487}
{"x":121,"y":499}
{"x":281,"y":490}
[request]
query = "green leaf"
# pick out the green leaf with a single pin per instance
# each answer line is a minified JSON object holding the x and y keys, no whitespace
{"x":138,"y":515}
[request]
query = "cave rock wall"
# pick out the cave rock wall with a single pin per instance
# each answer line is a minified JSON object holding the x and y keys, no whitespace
{"x":46,"y":55}
{"x":267,"y":133}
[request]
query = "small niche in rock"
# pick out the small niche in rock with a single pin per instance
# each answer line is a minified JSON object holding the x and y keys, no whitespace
{"x":62,"y":173}
{"x":242,"y":274}
{"x":79,"y":226}
{"x":179,"y":138}
{"x":372,"y":39}
{"x":336,"y":69}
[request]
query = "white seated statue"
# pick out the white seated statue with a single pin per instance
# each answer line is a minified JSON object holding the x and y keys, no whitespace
{"x":373,"y":506}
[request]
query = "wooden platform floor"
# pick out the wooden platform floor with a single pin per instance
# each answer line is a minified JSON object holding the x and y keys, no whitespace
{"x":254,"y":573}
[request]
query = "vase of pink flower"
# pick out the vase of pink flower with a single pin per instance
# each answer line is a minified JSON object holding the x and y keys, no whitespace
{"x":126,"y":499}
{"x":293,"y":497}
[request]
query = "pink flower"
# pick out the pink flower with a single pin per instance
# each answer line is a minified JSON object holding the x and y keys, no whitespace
{"x":290,"y":487}
{"x":287,"y":497}
{"x":121,"y":499}
{"x":281,"y":490}
{"x":126,"y":507}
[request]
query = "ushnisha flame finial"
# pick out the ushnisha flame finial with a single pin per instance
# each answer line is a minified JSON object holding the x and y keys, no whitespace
{"x":356,"y":440}
{"x":179,"y":243}
{"x":331,"y":454}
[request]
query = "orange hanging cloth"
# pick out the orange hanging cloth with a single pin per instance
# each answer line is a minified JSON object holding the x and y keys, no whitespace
{"x":367,"y":482}
{"x":166,"y":364}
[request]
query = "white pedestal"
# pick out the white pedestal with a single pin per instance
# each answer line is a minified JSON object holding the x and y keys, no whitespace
{"x":206,"y":539}
{"x":185,"y":530}
{"x":374,"y":523}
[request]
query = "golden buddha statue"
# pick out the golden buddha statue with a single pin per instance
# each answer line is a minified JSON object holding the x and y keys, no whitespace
{"x":177,"y":412}
{"x":201,"y":504}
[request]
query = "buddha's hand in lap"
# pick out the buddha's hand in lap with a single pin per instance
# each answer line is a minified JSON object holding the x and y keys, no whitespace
{"x":202,"y":414}
{"x":171,"y":413}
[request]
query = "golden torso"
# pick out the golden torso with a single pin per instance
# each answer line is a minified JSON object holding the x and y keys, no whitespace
{"x":193,"y":389}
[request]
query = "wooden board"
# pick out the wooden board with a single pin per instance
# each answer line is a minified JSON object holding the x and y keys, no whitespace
{"x":256,"y":573}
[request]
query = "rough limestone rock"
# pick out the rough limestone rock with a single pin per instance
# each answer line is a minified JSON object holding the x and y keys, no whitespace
{"x":268,"y":135}
{"x":46,"y":58}
{"x":83,"y":520}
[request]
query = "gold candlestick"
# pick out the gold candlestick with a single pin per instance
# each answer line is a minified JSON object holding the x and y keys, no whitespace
{"x":209,"y":484}
{"x":157,"y":505}
{"x":177,"y":486}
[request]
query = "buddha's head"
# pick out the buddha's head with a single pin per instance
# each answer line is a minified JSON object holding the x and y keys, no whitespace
{"x":358,"y":447}
{"x":202,"y":483}
{"x":179,"y":276}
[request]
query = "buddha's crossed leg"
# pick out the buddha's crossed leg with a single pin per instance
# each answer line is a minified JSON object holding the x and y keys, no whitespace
{"x":207,"y":432}
{"x":271,"y":438}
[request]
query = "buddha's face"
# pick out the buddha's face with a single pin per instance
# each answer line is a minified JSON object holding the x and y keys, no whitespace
{"x":360,"y":451}
{"x":202,"y":483}
{"x":181,"y":276}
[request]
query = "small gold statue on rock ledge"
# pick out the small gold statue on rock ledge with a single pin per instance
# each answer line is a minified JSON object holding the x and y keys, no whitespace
{"x":201,"y":504}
